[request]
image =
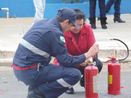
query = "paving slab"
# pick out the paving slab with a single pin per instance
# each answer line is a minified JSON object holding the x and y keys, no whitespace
{"x":12,"y":30}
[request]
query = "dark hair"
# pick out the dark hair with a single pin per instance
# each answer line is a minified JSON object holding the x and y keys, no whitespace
{"x":79,"y":14}
{"x":60,"y":19}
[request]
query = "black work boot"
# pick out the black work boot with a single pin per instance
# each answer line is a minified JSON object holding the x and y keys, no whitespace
{"x":118,"y":19}
{"x":103,"y":23}
{"x":70,"y":90}
{"x":34,"y":94}
{"x":93,"y":22}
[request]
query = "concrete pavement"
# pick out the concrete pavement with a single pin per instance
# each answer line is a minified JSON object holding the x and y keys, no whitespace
{"x":12,"y":30}
{"x":11,"y":88}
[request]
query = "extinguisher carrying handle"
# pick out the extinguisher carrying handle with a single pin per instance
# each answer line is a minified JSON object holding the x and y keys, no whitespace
{"x":127,"y":49}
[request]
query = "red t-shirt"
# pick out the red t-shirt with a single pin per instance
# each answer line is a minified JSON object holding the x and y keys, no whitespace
{"x":79,"y":43}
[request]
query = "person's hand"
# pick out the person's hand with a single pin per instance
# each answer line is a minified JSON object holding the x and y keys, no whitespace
{"x":92,"y":51}
{"x":83,"y":64}
{"x":87,"y":61}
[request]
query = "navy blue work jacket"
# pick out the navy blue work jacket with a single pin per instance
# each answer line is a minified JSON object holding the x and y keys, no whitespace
{"x":47,"y":36}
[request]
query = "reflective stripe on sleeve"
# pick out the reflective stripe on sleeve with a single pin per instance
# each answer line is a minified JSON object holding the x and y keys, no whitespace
{"x":34,"y":49}
{"x":63,"y":83}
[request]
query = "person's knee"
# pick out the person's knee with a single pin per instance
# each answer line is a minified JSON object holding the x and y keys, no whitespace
{"x":75,"y":76}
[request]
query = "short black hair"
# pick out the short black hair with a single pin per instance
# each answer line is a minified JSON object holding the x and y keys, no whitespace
{"x":60,"y":19}
{"x":79,"y":14}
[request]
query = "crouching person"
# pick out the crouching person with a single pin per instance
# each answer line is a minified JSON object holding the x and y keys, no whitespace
{"x":42,"y":41}
{"x":78,"y":41}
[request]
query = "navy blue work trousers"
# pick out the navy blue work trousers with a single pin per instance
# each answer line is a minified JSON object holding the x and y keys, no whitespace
{"x":49,"y":79}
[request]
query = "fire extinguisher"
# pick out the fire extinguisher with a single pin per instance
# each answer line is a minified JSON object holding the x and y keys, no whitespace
{"x":90,"y":72}
{"x":114,"y":72}
{"x":113,"y":77}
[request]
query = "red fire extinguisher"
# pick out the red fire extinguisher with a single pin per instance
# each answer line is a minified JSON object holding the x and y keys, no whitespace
{"x":114,"y":71}
{"x":90,"y":71}
{"x":113,"y":77}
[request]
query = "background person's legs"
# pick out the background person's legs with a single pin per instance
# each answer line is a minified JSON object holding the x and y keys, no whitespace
{"x":117,"y":12}
{"x":39,"y":9}
{"x":103,"y":18}
{"x":109,"y":5}
{"x":92,"y":10}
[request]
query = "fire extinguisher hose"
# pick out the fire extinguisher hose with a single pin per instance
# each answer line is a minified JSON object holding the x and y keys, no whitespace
{"x":127,"y":49}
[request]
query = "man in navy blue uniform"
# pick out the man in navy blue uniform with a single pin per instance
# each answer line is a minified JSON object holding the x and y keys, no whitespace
{"x":117,"y":4}
{"x":44,"y":40}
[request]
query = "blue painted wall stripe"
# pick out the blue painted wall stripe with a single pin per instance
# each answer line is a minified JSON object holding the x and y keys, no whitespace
{"x":25,"y":8}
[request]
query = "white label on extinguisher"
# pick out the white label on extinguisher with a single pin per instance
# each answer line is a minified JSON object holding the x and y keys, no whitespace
{"x":109,"y":79}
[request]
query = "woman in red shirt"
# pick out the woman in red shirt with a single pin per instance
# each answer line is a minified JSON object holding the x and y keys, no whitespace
{"x":79,"y":40}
